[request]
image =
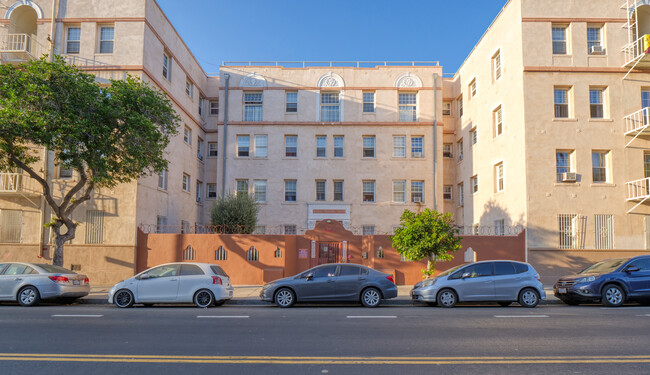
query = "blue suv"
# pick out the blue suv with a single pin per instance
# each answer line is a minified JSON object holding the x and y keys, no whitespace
{"x":611,"y":282}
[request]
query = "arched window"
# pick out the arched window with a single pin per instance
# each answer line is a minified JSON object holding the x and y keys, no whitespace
{"x":189,"y":253}
{"x":278,"y":253}
{"x":252,"y":254}
{"x":221,"y":254}
{"x":380,"y":252}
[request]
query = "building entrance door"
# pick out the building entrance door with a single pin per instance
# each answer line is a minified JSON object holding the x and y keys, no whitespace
{"x":328,"y":252}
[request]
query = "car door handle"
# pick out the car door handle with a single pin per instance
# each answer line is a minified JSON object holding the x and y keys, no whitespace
{"x":17,"y":279}
{"x":362,"y":278}
{"x":330,"y":281}
{"x":173,"y":280}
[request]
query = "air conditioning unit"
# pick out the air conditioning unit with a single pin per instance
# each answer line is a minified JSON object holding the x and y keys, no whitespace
{"x":417,"y":200}
{"x":596,"y":50}
{"x":569,"y":177}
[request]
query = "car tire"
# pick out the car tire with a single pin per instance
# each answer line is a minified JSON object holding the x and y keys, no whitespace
{"x":203,"y":298}
{"x":447,"y":298}
{"x":528,"y":297}
{"x":504,"y":303}
{"x":371,"y":297}
{"x":613,"y":296}
{"x":123,"y":298}
{"x":219,"y":303}
{"x":28,"y":296}
{"x":285,"y":297}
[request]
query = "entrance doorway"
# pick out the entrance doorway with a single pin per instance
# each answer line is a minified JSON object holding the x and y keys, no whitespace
{"x":328,"y":252}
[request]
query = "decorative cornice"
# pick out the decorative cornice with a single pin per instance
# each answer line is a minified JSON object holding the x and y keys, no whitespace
{"x":408,"y":80}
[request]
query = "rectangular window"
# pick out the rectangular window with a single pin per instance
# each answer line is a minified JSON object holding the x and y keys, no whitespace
{"x":645,"y":98}
{"x":408,"y":107}
{"x":369,"y":146}
{"x":604,"y":231}
{"x":496,"y":65}
{"x":290,"y":229}
{"x":500,"y":227}
{"x":167,"y":66}
{"x":162,"y":180}
{"x":446,"y":108}
{"x":199,"y":148}
{"x":472,"y":89}
{"x":213,"y":149}
{"x":211,"y":191}
{"x":253,"y":106}
{"x":473,"y":136}
{"x":187,"y":135}
{"x":461,"y":194}
{"x":94,"y":227}
{"x":368,"y":102}
{"x":189,"y":88}
{"x":106,"y":39}
{"x":65,"y":172}
{"x":570,"y":230}
{"x":161,"y":224}
{"x":594,"y":36}
{"x":338,"y":191}
{"x":459,"y":147}
{"x":498,"y":178}
{"x":646,"y":164}
{"x":596,"y":106}
{"x":261,"y":146}
{"x":498,"y":122}
{"x":241,"y":187}
{"x":599,"y":165}
{"x":243,"y":146}
{"x":321,"y":146}
{"x":290,"y":190}
{"x":399,"y":146}
{"x":559,"y":40}
{"x":459,"y":106}
{"x":214,"y":107}
{"x":447,"y":192}
{"x":369,"y":191}
{"x":186,"y":182}
{"x":417,"y":191}
{"x":338,"y":146}
{"x":73,"y":40}
{"x":561,"y":97}
{"x":399,"y":191}
{"x":11,"y":226}
{"x":330,"y":107}
{"x":447,"y":150}
{"x":368,"y":230}
{"x":201,"y":106}
{"x":291,"y":146}
{"x":320,"y":190}
{"x":259,"y":187}
{"x":199,"y":191}
{"x":417,"y":147}
{"x":291,"y":102}
{"x":474,"y":184}
{"x":563,"y":163}
{"x":259,"y":229}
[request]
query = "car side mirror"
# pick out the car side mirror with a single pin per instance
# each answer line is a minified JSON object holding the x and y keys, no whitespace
{"x":465,"y":275}
{"x":144,"y":276}
{"x":632,"y":269}
{"x":310,"y":277}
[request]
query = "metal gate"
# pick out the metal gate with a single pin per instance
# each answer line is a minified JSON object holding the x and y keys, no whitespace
{"x":328,"y":252}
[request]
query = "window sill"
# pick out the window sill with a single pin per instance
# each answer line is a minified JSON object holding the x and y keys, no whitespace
{"x":368,"y":158}
{"x":186,"y":191}
{"x":600,"y":120}
{"x":260,"y":158}
{"x":556,"y":119}
{"x":290,"y":158}
{"x":603,"y":184}
{"x":593,"y":55}
{"x":566,"y":184}
{"x":214,"y":157}
{"x":291,"y":113}
{"x":289,"y":203}
{"x":163,"y":190}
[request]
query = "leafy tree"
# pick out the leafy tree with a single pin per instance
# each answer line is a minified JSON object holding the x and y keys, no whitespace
{"x":234,"y":214}
{"x":426,"y":235}
{"x":108,"y":135}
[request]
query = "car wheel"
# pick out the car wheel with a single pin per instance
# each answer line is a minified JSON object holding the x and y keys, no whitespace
{"x":371,"y":297}
{"x":219,"y":303}
{"x":285,"y":297}
{"x":203,"y":298}
{"x":504,"y":303}
{"x":613,"y":296}
{"x":528,"y":298}
{"x":29,"y":296}
{"x":447,"y":298}
{"x":123,"y":298}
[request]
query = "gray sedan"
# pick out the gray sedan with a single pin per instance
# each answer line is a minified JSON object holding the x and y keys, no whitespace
{"x":332,"y":282}
{"x":29,"y":283}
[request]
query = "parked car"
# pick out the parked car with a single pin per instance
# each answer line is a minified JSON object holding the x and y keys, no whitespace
{"x":611,"y":282}
{"x":29,"y":283}
{"x":332,"y":282}
{"x":501,"y":281}
{"x":199,"y":283}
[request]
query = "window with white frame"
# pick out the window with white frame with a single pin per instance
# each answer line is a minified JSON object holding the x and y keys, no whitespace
{"x":473,"y":136}
{"x":94,"y":227}
{"x":211,"y":191}
{"x":320,"y":190}
{"x":459,"y":106}
{"x":243,"y":146}
{"x":330,"y":107}
{"x":368,"y":146}
{"x":594,"y":39}
{"x":167,"y":66}
{"x":399,"y":146}
{"x":498,"y":178}
{"x":189,"y":88}
{"x":446,"y":108}
{"x":199,"y":191}
{"x":408,"y":107}
{"x":252,"y":106}
{"x":199,"y":148}
{"x":241,"y":187}
{"x":261,"y":145}
{"x":498,"y":121}
{"x":461,"y":194}
{"x":368,"y":230}
{"x":571,"y":231}
{"x":338,"y":191}
{"x":604,"y":231}
{"x":417,"y":146}
{"x":291,"y":146}
{"x":500,"y":227}
{"x":187,"y":135}
{"x":186,"y":182}
{"x":290,"y":190}
{"x":459,"y":147}
{"x":417,"y":191}
{"x":496,"y":65}
{"x":201,"y":106}
{"x":448,"y":150}
{"x":339,"y":142}
{"x":106,"y":39}
{"x":290,"y":229}
{"x":563,"y":164}
{"x":399,"y":191}
{"x":73,"y":40}
{"x":369,"y":191}
{"x":213,"y":149}
{"x":561,"y":98}
{"x":448,"y":192}
{"x":321,"y":146}
{"x":368,"y":102}
{"x":259,"y":190}
{"x":214,"y":107}
{"x":599,"y":166}
{"x":162,"y":179}
{"x":559,"y":40}
{"x":291,"y":102}
{"x":472,"y":89}
{"x":474,"y":183}
{"x":596,"y":103}
{"x":11,"y":226}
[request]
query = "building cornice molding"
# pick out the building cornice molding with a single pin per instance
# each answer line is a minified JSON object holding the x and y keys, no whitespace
{"x":326,"y":124}
{"x":570,"y":20}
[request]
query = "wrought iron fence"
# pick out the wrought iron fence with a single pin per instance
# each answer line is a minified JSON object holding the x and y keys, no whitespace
{"x":487,"y":230}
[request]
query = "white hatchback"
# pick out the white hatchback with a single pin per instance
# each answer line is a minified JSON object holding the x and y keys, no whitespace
{"x":202,"y":284}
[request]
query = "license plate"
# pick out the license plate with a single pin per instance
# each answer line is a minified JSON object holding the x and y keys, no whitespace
{"x":561,"y":290}
{"x":75,"y":282}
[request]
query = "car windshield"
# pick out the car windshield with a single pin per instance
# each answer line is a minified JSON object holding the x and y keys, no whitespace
{"x":606,"y":266}
{"x":449,"y":271}
{"x":55,"y":269}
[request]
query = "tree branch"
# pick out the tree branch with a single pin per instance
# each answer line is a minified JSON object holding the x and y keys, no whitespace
{"x":75,"y":189}
{"x":46,"y":188}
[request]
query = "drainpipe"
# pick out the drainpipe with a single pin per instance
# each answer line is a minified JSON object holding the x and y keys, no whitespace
{"x":53,"y":29}
{"x":435,"y":140}
{"x":224,"y":155}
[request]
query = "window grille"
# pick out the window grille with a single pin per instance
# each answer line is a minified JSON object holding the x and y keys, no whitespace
{"x":94,"y":227}
{"x":320,"y":190}
{"x":368,"y":230}
{"x":290,"y":229}
{"x":338,"y":190}
{"x":221,"y":254}
{"x":604,"y":231}
{"x":11,"y":226}
{"x":290,"y":190}
{"x":243,"y":146}
{"x":447,"y":193}
{"x":260,"y":190}
{"x":417,"y":191}
{"x":277,"y":253}
{"x":447,"y":151}
{"x":417,"y":147}
{"x":571,"y":231}
{"x":291,"y":146}
{"x":596,"y":107}
{"x":189,"y":253}
{"x":252,"y":255}
{"x":213,"y":149}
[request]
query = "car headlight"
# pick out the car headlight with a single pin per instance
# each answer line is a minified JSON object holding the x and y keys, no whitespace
{"x":428,"y":282}
{"x":266,"y":286}
{"x":586,"y":279}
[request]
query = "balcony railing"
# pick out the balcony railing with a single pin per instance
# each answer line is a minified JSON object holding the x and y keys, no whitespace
{"x":18,"y":183}
{"x":638,"y":189}
{"x":20,"y":47}
{"x":637,"y":121}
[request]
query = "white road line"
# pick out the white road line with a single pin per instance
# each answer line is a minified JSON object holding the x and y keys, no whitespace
{"x":371,"y":317}
{"x":521,"y":316}
{"x":223,"y":316}
{"x":76,"y":316}
{"x":644,"y":315}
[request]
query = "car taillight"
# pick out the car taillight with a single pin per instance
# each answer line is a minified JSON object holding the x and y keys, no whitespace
{"x":59,"y":279}
{"x":86,"y":281}
{"x":390,"y":278}
{"x":217,"y":280}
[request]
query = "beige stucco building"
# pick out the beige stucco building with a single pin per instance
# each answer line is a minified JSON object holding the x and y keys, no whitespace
{"x":543,"y":127}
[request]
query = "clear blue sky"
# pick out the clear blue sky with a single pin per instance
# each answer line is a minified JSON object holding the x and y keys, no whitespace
{"x":334,"y":30}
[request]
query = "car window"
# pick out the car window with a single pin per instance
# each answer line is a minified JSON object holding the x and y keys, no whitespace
{"x":349,"y":271}
{"x":326,"y":271}
{"x":520,"y":267}
{"x":17,"y":269}
{"x":504,"y":268}
{"x":164,"y":271}
{"x":606,"y":266}
{"x":191,"y":270}
{"x":479,"y":270}
{"x":55,"y":269}
{"x":218,"y":270}
{"x":2,"y":267}
{"x":364,"y":271}
{"x":643,"y":264}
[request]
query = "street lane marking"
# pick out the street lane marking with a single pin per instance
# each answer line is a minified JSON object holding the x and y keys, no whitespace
{"x":644,"y":315}
{"x":521,"y":316}
{"x":223,"y":316}
{"x":371,"y":317}
{"x":76,"y":316}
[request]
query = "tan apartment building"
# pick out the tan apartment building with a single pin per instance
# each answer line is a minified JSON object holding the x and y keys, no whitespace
{"x":543,"y":127}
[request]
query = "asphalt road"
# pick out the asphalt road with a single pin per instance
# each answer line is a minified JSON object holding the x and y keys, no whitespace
{"x":95,"y":339}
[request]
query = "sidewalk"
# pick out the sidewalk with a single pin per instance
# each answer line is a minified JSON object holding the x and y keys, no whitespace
{"x":250,"y":295}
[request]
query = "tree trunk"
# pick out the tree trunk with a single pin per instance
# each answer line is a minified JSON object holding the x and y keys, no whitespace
{"x":59,"y":241}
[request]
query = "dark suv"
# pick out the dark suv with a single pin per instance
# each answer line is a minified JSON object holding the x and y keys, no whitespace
{"x":611,"y":282}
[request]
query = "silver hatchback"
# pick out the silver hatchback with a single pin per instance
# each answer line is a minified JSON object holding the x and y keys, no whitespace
{"x":501,"y":281}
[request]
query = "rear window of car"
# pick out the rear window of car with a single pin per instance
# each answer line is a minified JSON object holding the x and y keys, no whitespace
{"x":218,"y":270}
{"x":504,"y":268}
{"x":191,"y":270}
{"x":520,"y":267}
{"x":55,"y":269}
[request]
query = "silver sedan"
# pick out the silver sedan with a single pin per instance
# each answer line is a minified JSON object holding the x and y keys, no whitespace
{"x":29,"y":283}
